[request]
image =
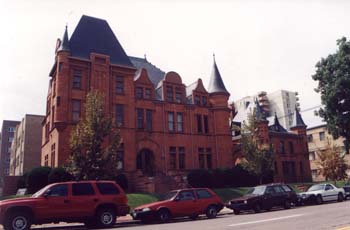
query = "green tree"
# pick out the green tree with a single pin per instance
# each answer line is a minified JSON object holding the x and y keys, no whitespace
{"x":257,"y":158}
{"x":333,"y":76}
{"x":91,"y":157}
{"x":332,"y":163}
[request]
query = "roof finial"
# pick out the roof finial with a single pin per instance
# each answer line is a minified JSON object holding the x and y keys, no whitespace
{"x":214,"y":56}
{"x":145,"y":56}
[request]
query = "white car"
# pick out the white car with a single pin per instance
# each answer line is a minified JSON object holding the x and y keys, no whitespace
{"x":319,"y":193}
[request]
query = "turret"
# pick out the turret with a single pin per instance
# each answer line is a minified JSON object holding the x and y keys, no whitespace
{"x":62,"y":79}
{"x":217,"y":90}
{"x":298,"y":125}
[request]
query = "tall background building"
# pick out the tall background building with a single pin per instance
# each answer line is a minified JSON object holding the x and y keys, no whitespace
{"x":281,"y":102}
{"x":26,"y":145}
{"x":7,"y":133}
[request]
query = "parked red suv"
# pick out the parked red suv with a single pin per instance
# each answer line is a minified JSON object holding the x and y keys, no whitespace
{"x":180,"y":203}
{"x":95,"y":203}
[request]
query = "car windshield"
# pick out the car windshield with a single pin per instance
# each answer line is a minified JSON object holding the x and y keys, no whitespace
{"x":40,"y":192}
{"x":169,"y":195}
{"x":257,"y":190}
{"x":316,"y":187}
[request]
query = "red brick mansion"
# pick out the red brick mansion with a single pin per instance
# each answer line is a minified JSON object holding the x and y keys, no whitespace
{"x":167,"y":127}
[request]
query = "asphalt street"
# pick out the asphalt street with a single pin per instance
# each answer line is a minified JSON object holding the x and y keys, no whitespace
{"x":327,"y":216}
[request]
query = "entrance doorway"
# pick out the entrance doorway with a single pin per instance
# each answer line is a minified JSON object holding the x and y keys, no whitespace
{"x":145,"y":162}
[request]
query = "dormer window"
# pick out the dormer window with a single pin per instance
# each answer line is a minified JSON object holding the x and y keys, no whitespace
{"x":169,"y":93}
{"x":204,"y":100}
{"x":148,"y":93}
{"x":197,"y":100}
{"x":178,"y":95}
{"x":139,"y":92}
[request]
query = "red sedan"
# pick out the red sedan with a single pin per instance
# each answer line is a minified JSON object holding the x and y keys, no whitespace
{"x":181,"y":203}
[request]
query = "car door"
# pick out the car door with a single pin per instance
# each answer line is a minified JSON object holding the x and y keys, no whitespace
{"x":184,"y":204}
{"x":204,"y":199}
{"x":280,"y":196}
{"x":269,"y":198}
{"x":54,"y":204}
{"x":84,"y":199}
{"x":329,"y":193}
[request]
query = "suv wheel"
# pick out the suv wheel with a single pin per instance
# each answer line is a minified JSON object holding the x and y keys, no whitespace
{"x":340,"y":197}
{"x":236,"y":211}
{"x":105,"y":217}
{"x":287,"y":204}
{"x":18,"y":221}
{"x":211,"y":212}
{"x":163,"y":215}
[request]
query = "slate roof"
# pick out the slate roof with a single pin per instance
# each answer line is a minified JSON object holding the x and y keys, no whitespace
{"x":297,"y":119}
{"x":277,"y":127}
{"x":216,"y":85}
{"x":64,"y":46}
{"x":155,"y":74}
{"x":95,"y":35}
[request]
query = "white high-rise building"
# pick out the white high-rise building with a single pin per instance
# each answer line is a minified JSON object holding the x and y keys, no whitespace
{"x":282,"y":103}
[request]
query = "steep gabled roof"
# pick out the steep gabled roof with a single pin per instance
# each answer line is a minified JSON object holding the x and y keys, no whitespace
{"x":216,"y":84}
{"x":277,"y":127}
{"x":95,"y":35}
{"x":155,"y":74}
{"x":297,"y":119}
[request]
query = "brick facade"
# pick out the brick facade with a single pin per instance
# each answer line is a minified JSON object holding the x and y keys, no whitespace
{"x":167,"y":127}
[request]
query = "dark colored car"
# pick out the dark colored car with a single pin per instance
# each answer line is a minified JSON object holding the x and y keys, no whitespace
{"x":95,"y":203}
{"x":347,"y":191}
{"x":264,"y":197}
{"x":180,"y":203}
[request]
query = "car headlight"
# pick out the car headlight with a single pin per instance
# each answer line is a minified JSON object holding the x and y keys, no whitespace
{"x":245,"y":202}
{"x":146,"y":209}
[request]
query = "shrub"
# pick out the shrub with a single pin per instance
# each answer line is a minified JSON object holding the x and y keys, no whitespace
{"x":37,"y":179}
{"x":21,"y":183}
{"x":199,"y":178}
{"x":122,"y":180}
{"x":59,"y":175}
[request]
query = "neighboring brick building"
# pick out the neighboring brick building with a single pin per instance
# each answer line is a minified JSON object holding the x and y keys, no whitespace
{"x":7,"y":133}
{"x":319,"y":139}
{"x":26,"y":145}
{"x":166,"y":126}
{"x":290,"y":148}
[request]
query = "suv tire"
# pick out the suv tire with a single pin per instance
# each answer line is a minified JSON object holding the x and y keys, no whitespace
{"x":18,"y":221}
{"x":105,"y":217}
{"x":236,"y":211}
{"x":211,"y":212}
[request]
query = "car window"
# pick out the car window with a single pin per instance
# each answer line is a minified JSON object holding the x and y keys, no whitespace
{"x":316,"y":187}
{"x":269,"y":190}
{"x":286,"y":188}
{"x":82,"y":189}
{"x":278,"y":189}
{"x":203,"y":194}
{"x":186,"y":195}
{"x":107,"y":188}
{"x":58,"y":190}
{"x":329,"y":187}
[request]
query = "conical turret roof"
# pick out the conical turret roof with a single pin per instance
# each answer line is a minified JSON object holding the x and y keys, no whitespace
{"x":297,"y":119}
{"x":277,"y":127}
{"x":64,"y":46}
{"x":216,"y":84}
